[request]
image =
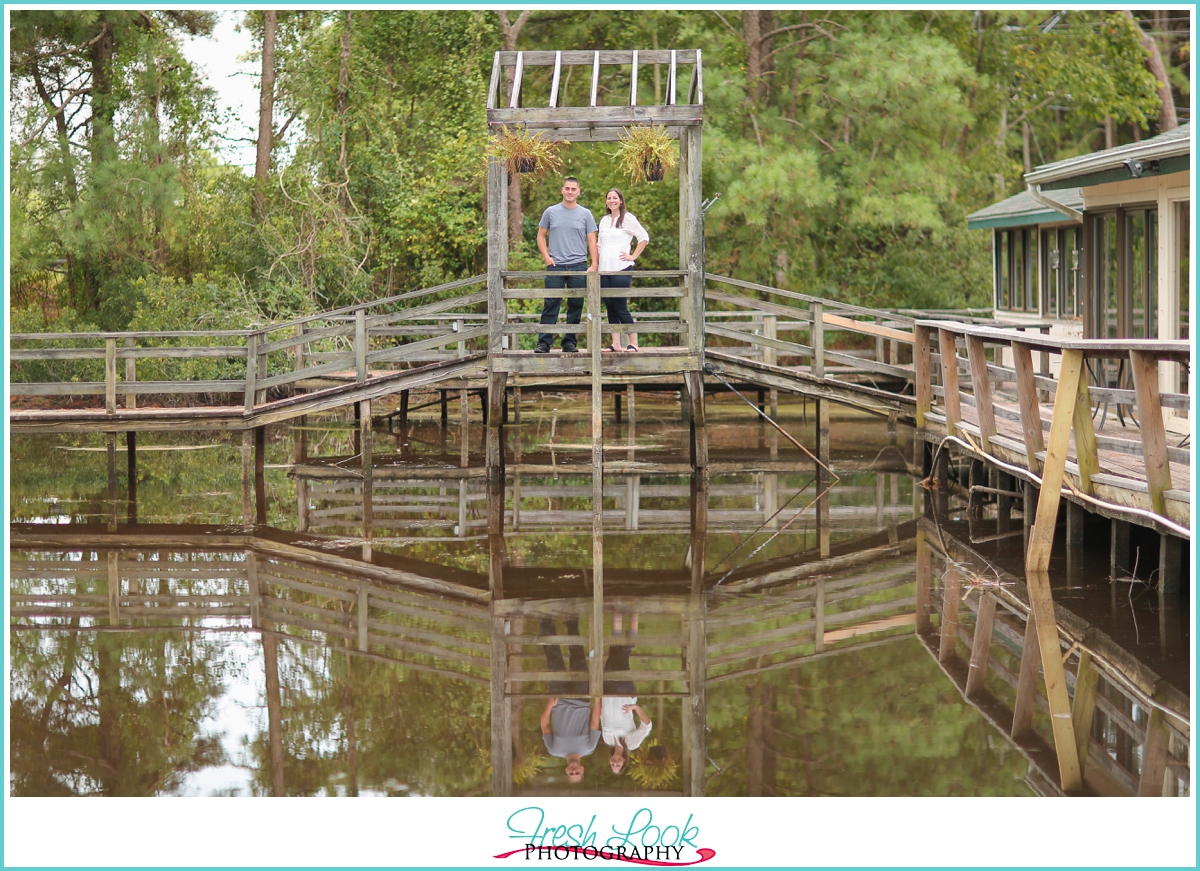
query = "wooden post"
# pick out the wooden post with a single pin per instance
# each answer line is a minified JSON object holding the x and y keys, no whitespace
{"x":263,"y":369}
{"x":981,"y":385}
{"x":923,"y":373}
{"x":301,"y":349}
{"x":114,"y":588}
{"x":770,"y":357}
{"x":274,"y":712}
{"x":260,"y":487}
{"x":695,"y":230}
{"x":924,"y":583}
{"x":247,"y":475}
{"x":951,"y":585}
{"x":819,"y":615}
{"x":360,"y":345}
{"x":617,"y":406}
{"x":251,"y":388}
{"x":695,"y":384}
{"x":1076,"y":516}
{"x":1041,"y":539}
{"x":110,"y":444}
{"x":1087,"y":680}
{"x":1169,"y":564}
{"x":1027,"y":680}
{"x":596,"y":629}
{"x":502,"y":752}
{"x":463,"y":428}
{"x":131,"y":373}
{"x":444,"y":410}
{"x":366,"y":437}
{"x":494,"y":448}
{"x":1042,"y":605}
{"x":1154,"y":437}
{"x":952,"y":401}
{"x":981,"y":645}
{"x":497,"y":253}
{"x":404,"y":410}
{"x":131,"y":476}
{"x":696,"y":705}
{"x":1027,"y":397}
{"x":1154,"y":756}
{"x":110,"y":376}
{"x":595,"y":343}
{"x":364,"y":636}
{"x":1119,"y":548}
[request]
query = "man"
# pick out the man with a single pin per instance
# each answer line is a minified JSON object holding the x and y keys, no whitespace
{"x":567,"y":239}
{"x":570,"y":728}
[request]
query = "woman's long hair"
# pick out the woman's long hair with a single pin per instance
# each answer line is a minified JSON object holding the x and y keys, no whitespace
{"x":620,"y":742}
{"x":621,"y":216}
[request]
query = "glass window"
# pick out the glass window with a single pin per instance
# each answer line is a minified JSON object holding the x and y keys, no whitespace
{"x":1001,"y":269}
{"x":1135,"y":275}
{"x":1052,"y":269}
{"x":1071,"y":248}
{"x":1031,"y":289}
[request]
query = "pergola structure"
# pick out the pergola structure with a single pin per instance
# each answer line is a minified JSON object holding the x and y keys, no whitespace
{"x":609,"y":101}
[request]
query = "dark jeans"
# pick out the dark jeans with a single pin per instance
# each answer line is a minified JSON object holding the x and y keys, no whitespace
{"x":618,"y":660}
{"x":550,"y":306}
{"x":554,"y":660}
{"x":618,"y":306}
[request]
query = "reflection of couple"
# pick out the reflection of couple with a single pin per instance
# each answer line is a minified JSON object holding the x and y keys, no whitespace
{"x":571,"y":728}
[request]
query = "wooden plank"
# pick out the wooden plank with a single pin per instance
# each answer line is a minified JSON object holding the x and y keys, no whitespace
{"x":1041,"y":603}
{"x":1087,"y":680}
{"x":603,"y":116}
{"x":1041,"y":537}
{"x":949,"y":362}
{"x":951,"y":584}
{"x":981,"y":644}
{"x":555,"y":80}
{"x":605,"y":58}
{"x":494,"y":83}
{"x":1154,"y":438}
{"x":870,"y":329}
{"x":981,"y":385}
{"x":595,"y":76}
{"x":110,"y":376}
{"x":1154,"y":756}
{"x":251,"y":388}
{"x":360,"y":345}
{"x":922,"y":374}
{"x":671,"y":73}
{"x":765,"y":341}
{"x":633,"y":77}
{"x":1086,"y":455}
{"x":515,"y":97}
{"x":1027,"y":397}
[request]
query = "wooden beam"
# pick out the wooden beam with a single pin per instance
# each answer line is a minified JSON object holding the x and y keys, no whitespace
{"x":633,"y":80}
{"x":870,"y":329}
{"x":595,"y":78}
{"x":981,"y":644}
{"x":1041,"y":538}
{"x":924,"y":582}
{"x":360,"y":345}
{"x":1086,"y":456}
{"x":1041,"y":603}
{"x":555,"y":80}
{"x":110,"y":376}
{"x":1027,"y":681}
{"x":515,"y":99}
{"x":1027,"y":397}
{"x":1154,"y":437}
{"x":1154,"y":756}
{"x":922,"y":374}
{"x":949,"y":355}
{"x":951,"y":584}
{"x":1087,"y":680}
{"x":981,"y":385}
{"x":671,"y":81}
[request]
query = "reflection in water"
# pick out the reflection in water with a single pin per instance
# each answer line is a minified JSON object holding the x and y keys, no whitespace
{"x":718,"y":638}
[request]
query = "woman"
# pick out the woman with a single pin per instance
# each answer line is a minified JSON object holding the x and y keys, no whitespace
{"x":616,"y":230}
{"x":618,"y":728}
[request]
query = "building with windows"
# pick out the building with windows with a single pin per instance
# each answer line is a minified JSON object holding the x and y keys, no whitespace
{"x":1099,"y":246}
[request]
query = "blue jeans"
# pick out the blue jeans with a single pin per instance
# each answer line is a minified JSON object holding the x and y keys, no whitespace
{"x":550,"y":306}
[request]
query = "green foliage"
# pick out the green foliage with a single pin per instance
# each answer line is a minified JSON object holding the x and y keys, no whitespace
{"x":522,"y":151}
{"x":644,"y":147}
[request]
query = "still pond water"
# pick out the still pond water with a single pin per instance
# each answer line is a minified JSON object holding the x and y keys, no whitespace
{"x":196,"y":634}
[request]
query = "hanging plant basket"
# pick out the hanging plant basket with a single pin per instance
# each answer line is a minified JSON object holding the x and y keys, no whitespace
{"x":653,"y":170}
{"x":646,"y":153}
{"x":524,"y":152}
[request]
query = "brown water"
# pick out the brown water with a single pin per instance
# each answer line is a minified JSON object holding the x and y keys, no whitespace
{"x":195,"y":636}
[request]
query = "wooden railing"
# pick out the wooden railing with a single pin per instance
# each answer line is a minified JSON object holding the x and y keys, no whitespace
{"x":660,"y":284}
{"x":385,"y":334}
{"x":999,"y":408}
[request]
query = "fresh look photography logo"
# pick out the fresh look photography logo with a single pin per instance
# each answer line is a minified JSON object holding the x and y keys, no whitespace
{"x":642,"y":840}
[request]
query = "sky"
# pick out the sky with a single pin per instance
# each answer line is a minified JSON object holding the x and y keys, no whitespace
{"x":235,"y":82}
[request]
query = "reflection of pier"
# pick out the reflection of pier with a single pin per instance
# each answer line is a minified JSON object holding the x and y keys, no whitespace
{"x":701,"y":626}
{"x":1127,"y":730}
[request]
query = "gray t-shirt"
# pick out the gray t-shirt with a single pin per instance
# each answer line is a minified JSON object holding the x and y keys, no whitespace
{"x":568,"y":230}
{"x":570,"y":726}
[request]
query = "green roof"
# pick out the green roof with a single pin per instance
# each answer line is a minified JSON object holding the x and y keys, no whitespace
{"x":1022,"y":210}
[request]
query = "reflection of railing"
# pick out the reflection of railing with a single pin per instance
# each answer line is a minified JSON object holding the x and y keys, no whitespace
{"x":1131,"y":729}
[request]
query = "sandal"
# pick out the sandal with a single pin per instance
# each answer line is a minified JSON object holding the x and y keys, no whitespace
{"x":610,"y":348}
{"x":632,"y":348}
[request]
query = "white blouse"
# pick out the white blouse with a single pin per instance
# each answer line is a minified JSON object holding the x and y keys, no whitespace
{"x":614,"y":240}
{"x":616,"y":723}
